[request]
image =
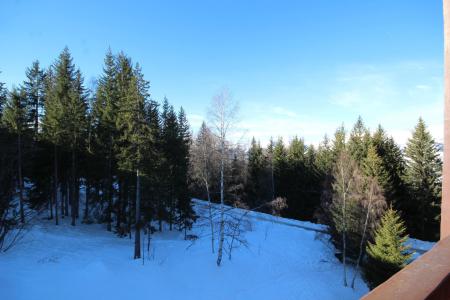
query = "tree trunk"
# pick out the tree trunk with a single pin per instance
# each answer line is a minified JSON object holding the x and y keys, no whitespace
{"x":77,"y":197}
{"x":222,"y":233}
{"x":36,"y":119}
{"x":129,"y":212}
{"x":363,"y":237}
{"x":86,"y":201}
{"x":119,"y":205}
{"x":344,"y":228}
{"x":137,"y":238}
{"x":55,"y":182}
{"x":19,"y":165}
{"x":63,"y":199}
{"x":110,"y":192}
{"x":211,"y":221}
{"x":66,"y":205}
{"x":73,"y":193}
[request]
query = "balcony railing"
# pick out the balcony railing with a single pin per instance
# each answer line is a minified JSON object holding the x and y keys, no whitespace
{"x":428,"y":277}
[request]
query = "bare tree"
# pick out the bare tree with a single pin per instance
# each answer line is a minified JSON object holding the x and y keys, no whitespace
{"x":374,"y":203}
{"x":202,"y":166}
{"x":223,"y":115}
{"x":345,"y":172}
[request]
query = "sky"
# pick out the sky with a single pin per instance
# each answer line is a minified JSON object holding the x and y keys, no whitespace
{"x":299,"y":67}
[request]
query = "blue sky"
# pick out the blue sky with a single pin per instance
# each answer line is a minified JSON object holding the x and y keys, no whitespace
{"x":296,"y":67}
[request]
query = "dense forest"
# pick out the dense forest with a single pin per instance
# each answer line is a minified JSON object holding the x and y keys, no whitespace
{"x":114,"y":155}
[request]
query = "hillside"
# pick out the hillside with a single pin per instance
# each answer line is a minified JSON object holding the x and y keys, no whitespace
{"x":282,"y":261}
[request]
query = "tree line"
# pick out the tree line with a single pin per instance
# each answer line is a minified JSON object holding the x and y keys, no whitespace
{"x":128,"y":155}
{"x":365,"y":187}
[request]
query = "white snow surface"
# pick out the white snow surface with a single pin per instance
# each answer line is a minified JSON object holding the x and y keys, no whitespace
{"x":282,"y":261}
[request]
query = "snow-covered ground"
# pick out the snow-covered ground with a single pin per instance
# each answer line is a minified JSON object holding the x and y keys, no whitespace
{"x":283,"y":261}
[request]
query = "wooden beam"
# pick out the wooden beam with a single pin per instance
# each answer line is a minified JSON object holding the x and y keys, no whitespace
{"x":445,"y":204}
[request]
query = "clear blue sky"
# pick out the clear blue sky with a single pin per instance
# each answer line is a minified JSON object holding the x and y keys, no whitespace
{"x":296,"y":67}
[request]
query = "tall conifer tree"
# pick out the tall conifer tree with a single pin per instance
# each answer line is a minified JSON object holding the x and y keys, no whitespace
{"x":423,"y":175}
{"x":14,"y":118}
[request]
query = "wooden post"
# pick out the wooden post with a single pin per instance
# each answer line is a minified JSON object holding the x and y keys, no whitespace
{"x":445,"y":206}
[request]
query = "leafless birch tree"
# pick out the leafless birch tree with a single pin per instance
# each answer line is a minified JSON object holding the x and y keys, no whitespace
{"x":203,"y":165}
{"x":223,"y":116}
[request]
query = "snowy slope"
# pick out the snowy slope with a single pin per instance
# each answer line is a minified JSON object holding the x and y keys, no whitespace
{"x":86,"y":262}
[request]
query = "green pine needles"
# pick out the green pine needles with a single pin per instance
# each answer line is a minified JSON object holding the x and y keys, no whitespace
{"x":389,"y":253}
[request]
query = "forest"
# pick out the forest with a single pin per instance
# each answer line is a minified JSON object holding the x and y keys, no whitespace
{"x":111,"y":154}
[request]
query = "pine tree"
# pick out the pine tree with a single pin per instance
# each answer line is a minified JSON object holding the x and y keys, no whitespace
{"x":395,"y":166}
{"x":269,"y":157}
{"x":105,"y":115}
{"x":14,"y":119}
{"x":75,"y":124}
{"x":423,"y":176}
{"x":359,"y":141}
{"x":295,"y":178}
{"x":280,"y":167}
{"x":133,"y":143}
{"x":184,"y":206}
{"x":373,"y":167}
{"x":388,"y":254}
{"x":256,"y":176}
{"x":170,"y":141}
{"x":339,"y":142}
{"x":324,"y":157}
{"x":34,"y":87}
{"x":53,"y":127}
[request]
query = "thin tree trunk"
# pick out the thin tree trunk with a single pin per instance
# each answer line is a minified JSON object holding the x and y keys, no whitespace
{"x":222,"y":233}
{"x":171,"y":207}
{"x":86,"y":201}
{"x":119,"y":205}
{"x":55,"y":182}
{"x":363,"y":237}
{"x":344,"y":227}
{"x":52,"y":195}
{"x":129,"y":213}
{"x":36,"y":119}
{"x":19,"y":165}
{"x":110,"y":192}
{"x":63,"y":199}
{"x":137,"y":238}
{"x":66,"y":205}
{"x":211,"y":221}
{"x":77,"y":197}
{"x":73,"y":193}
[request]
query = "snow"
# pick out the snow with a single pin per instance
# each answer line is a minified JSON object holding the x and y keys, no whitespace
{"x":284,"y":260}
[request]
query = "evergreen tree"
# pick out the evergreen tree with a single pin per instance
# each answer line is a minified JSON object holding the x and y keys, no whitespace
{"x":395,"y":167}
{"x":237,"y":182}
{"x":170,"y":142}
{"x":324,"y":157}
{"x":14,"y":119}
{"x":105,"y":115}
{"x":295,"y":179}
{"x":133,"y":138}
{"x":359,"y":141}
{"x":256,"y":186}
{"x":184,"y":206}
{"x":373,"y":167}
{"x":75,"y":124}
{"x":279,"y":168}
{"x":339,"y":142}
{"x":388,"y":254}
{"x":34,"y":87}
{"x":423,"y":176}
{"x":53,"y":127}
